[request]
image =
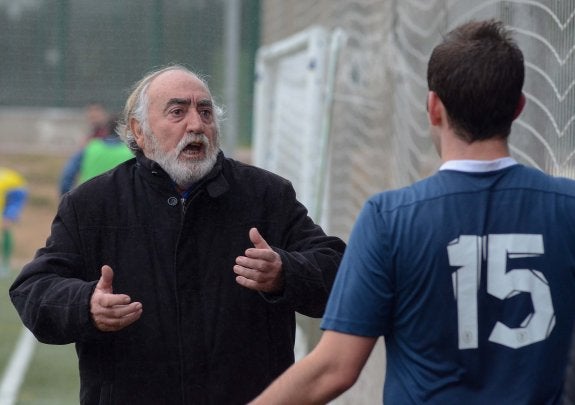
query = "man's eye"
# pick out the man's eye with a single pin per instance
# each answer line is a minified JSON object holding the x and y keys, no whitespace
{"x":206,"y":113}
{"x":177,"y":112}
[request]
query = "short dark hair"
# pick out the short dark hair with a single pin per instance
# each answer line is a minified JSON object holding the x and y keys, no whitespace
{"x":478,"y":73}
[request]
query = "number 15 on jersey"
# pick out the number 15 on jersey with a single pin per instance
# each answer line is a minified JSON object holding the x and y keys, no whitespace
{"x":468,"y":252}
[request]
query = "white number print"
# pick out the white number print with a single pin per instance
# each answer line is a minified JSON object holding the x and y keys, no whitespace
{"x":467,"y":253}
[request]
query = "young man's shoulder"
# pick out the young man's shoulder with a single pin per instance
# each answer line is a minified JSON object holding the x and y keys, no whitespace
{"x":396,"y":197}
{"x":529,"y":177}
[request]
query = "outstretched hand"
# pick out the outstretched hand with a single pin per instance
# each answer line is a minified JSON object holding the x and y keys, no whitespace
{"x":112,"y":312}
{"x":261,"y":267}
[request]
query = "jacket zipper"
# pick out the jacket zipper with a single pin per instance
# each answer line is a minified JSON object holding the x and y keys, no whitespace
{"x":180,"y":339}
{"x":185,"y":202}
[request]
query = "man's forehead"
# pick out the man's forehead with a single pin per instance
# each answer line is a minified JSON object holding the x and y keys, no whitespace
{"x":177,"y":85}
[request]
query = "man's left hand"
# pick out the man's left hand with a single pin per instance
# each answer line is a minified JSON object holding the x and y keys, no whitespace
{"x":261,"y":267}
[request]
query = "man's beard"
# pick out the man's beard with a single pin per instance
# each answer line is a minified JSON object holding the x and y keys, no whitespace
{"x":184,"y":172}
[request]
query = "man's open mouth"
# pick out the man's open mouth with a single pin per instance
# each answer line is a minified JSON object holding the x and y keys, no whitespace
{"x":193,"y":149}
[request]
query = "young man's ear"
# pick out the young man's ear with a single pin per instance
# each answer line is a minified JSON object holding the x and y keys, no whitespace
{"x":519,"y":107}
{"x":435,"y":109}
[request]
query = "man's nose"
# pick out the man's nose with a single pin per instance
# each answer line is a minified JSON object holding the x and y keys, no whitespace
{"x":195,"y":124}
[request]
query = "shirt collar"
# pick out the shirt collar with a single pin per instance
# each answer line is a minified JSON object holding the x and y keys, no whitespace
{"x":478,"y":165}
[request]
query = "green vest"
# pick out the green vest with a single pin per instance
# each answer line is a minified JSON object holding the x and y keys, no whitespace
{"x":100,"y":156}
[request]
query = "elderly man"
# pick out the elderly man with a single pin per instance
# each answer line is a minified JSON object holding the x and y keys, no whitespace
{"x":177,"y":274}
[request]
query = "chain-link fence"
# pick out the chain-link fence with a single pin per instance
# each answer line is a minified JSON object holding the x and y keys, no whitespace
{"x":64,"y":53}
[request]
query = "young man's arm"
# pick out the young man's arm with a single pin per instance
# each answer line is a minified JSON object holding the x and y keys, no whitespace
{"x":329,"y":370}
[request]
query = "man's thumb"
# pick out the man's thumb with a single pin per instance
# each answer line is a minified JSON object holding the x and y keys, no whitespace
{"x":105,"y":282}
{"x":257,"y":240}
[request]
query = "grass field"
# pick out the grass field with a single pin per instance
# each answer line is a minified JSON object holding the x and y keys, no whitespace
{"x":52,"y":378}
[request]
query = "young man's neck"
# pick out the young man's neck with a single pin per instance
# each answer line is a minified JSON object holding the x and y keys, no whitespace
{"x":453,"y":148}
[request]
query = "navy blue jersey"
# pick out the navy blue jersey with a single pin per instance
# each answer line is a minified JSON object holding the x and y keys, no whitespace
{"x":470,"y":277}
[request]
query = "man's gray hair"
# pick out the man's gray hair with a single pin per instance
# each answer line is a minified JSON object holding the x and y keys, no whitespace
{"x":138,"y":102}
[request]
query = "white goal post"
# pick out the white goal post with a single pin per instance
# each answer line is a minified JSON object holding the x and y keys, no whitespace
{"x":294,"y":82}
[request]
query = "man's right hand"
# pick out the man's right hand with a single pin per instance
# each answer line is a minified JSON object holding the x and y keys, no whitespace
{"x":112,"y":312}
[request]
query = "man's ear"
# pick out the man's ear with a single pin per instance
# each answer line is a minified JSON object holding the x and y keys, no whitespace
{"x":136,"y":129}
{"x":519,"y":107}
{"x":435,"y":109}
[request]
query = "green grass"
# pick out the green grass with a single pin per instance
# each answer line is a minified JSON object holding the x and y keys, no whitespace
{"x":52,"y":377}
{"x":10,"y":323}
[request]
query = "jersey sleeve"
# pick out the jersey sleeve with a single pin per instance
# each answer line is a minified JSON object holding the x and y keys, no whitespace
{"x":361,"y":300}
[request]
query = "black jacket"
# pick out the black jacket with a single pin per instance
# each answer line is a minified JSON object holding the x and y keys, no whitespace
{"x":202,"y":338}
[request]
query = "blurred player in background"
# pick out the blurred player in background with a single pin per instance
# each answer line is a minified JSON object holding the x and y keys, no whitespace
{"x":100,"y":154}
{"x":13,"y":196}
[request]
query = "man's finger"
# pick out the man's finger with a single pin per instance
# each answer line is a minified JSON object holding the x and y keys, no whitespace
{"x":121,"y":311}
{"x":257,"y":240}
{"x":247,"y":283}
{"x":249,"y":273}
{"x":105,"y":281}
{"x":111,"y":300}
{"x":109,"y":324}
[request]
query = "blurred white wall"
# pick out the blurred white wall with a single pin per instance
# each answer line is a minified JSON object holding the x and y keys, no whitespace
{"x":41,"y":130}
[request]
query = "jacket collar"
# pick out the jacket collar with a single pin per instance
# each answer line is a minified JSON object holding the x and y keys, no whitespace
{"x":214,"y":182}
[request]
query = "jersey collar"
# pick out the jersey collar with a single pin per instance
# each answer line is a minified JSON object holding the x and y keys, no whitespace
{"x":478,"y":165}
